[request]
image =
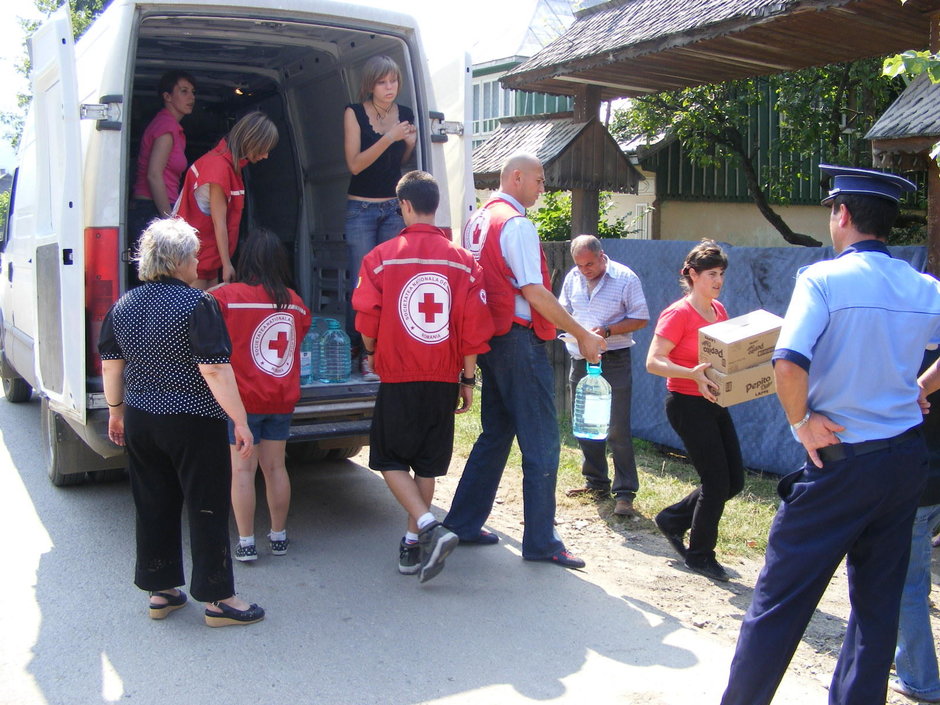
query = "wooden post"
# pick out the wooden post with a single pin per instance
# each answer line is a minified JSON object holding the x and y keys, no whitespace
{"x":584,"y":202}
{"x":584,"y":207}
{"x":933,"y":218}
{"x":933,"y":180}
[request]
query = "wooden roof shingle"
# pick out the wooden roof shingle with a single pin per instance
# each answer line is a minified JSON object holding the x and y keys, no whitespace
{"x":915,"y":113}
{"x":903,"y":136}
{"x":636,"y":47}
{"x":574,"y":154}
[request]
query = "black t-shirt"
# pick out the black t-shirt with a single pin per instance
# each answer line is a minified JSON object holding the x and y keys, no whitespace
{"x":378,"y":180}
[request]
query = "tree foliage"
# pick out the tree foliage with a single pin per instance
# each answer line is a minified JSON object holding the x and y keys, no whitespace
{"x":83,"y":13}
{"x":821,"y":110}
{"x":4,"y":210}
{"x":553,"y":218}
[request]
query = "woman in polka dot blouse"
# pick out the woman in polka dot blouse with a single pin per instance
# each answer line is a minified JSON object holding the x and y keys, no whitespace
{"x":170,"y":387}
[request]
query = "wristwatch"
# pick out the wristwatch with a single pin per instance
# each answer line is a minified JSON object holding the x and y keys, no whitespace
{"x":606,"y":331}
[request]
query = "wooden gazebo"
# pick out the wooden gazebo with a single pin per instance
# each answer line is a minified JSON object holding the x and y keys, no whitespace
{"x":580,"y":156}
{"x":902,"y":139}
{"x":629,"y":48}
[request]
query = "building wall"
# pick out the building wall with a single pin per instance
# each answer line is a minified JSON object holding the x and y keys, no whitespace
{"x":738,"y":224}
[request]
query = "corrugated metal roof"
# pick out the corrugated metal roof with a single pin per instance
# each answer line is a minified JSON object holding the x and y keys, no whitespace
{"x":525,"y":27}
{"x":916,"y":113}
{"x":637,"y":47}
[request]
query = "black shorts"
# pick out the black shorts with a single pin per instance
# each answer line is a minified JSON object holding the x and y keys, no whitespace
{"x":413,"y":427}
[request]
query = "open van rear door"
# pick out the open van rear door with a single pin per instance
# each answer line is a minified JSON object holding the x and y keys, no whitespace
{"x":450,"y":78}
{"x":60,"y":319}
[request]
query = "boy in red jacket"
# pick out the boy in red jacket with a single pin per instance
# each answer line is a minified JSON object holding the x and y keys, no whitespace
{"x":421,"y":309}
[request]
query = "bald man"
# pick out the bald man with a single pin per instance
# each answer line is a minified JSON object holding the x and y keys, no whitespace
{"x":518,"y":382}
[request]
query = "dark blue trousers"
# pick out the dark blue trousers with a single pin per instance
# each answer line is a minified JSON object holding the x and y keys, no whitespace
{"x":860,"y":508}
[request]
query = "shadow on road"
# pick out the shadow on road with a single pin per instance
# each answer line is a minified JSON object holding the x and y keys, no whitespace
{"x":343,"y":626}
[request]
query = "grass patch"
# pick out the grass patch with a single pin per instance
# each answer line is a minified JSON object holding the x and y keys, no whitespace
{"x":665,"y":477}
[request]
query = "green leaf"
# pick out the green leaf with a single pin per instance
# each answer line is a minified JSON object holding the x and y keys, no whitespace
{"x":893,"y":66}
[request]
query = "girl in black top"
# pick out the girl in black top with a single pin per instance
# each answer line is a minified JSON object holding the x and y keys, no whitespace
{"x":380,"y":136}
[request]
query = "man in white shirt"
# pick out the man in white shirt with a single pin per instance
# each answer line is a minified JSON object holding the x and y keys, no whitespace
{"x":606,"y":297}
{"x":518,"y":389}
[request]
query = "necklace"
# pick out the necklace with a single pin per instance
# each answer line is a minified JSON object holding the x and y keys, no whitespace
{"x":379,"y":112}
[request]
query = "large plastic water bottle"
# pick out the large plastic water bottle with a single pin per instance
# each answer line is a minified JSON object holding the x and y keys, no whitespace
{"x":309,"y":354}
{"x":591,"y":405}
{"x":333,"y":364}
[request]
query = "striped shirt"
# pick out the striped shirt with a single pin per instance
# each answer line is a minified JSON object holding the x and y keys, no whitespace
{"x":618,"y":295}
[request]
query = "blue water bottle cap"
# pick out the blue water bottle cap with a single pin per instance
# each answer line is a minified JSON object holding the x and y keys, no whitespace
{"x":594,"y":369}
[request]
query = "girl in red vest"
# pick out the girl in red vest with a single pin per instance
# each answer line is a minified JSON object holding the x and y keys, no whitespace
{"x":266,"y":322}
{"x":213,"y":194}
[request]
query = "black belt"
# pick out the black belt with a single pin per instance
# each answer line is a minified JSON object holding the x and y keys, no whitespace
{"x":841,"y":451}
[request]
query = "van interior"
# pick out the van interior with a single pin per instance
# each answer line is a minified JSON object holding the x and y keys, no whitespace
{"x":302,"y":76}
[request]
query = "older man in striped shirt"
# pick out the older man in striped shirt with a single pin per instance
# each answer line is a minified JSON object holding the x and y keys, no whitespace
{"x":606,"y":297}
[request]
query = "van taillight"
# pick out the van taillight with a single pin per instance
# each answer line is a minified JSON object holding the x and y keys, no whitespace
{"x":101,"y":287}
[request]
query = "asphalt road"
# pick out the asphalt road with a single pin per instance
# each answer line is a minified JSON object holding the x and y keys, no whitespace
{"x":343,"y":627}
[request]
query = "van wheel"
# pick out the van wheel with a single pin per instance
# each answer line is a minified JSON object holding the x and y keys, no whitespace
{"x":60,"y":448}
{"x":110,"y":475}
{"x":16,"y":390}
{"x":343,"y":453}
{"x":306,"y":452}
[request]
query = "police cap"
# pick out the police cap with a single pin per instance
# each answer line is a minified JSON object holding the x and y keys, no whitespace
{"x":865,"y":182}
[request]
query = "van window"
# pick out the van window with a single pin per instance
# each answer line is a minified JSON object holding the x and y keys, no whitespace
{"x":8,"y":215}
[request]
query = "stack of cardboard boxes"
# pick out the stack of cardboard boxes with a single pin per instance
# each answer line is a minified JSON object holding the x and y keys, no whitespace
{"x":739,"y":351}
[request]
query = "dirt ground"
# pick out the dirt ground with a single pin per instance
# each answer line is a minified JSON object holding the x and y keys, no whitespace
{"x":638,"y":560}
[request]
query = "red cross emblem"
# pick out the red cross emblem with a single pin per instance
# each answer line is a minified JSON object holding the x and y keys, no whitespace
{"x":477,"y":231}
{"x":279,"y":344}
{"x":430,"y":307}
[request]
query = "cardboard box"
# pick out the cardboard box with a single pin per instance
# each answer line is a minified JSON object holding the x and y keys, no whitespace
{"x":737,"y":387}
{"x":740,"y":342}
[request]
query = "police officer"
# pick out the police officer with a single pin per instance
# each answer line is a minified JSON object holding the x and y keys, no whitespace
{"x":846,"y":368}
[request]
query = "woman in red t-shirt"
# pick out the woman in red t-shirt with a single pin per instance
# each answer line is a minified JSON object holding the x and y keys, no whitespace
{"x":266,"y":321}
{"x":705,"y":428}
{"x":213,"y":194}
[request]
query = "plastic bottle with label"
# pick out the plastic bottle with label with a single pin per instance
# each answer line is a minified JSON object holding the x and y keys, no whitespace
{"x":309,"y":353}
{"x":591,"y":418}
{"x":334,"y":363}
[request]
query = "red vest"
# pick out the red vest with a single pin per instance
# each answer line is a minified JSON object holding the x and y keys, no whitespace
{"x":481,"y":237}
{"x":213,"y":167}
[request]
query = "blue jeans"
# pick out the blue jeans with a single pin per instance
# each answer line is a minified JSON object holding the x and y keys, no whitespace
{"x":915,"y":657}
{"x":615,"y":368}
{"x":368,"y":223}
{"x":517,"y":402}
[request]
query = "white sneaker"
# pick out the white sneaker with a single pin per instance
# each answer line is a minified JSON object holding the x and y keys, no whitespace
{"x":368,"y":374}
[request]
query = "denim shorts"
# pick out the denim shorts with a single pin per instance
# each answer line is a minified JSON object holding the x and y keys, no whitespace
{"x":264,"y":427}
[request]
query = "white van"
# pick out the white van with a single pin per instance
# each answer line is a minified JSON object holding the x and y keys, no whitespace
{"x":65,"y":252}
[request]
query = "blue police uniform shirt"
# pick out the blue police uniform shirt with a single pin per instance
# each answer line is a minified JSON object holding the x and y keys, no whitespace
{"x":859,"y":324}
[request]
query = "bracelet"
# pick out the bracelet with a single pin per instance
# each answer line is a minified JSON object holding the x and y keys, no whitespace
{"x":801,"y":423}
{"x":370,"y":353}
{"x":120,"y":403}
{"x":468,"y":381}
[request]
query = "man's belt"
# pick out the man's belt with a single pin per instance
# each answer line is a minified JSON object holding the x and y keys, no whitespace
{"x":841,"y":451}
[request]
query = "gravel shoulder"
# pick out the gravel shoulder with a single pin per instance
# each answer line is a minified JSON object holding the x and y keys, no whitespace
{"x":631,"y":556}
